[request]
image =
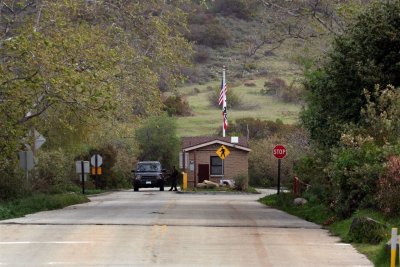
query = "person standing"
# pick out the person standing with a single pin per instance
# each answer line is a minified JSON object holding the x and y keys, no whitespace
{"x":174,"y":179}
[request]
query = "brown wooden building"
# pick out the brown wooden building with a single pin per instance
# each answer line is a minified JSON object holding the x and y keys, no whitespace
{"x":199,"y":158}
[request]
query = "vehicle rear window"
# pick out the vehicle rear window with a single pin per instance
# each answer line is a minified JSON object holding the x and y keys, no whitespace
{"x":148,"y":167}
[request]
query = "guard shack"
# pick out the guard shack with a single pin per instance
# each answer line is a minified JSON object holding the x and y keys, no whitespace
{"x":214,"y":158}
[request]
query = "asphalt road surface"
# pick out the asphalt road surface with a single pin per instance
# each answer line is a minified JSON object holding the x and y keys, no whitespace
{"x":153,"y":228}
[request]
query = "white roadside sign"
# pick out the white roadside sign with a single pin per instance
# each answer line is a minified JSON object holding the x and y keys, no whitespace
{"x":96,"y":158}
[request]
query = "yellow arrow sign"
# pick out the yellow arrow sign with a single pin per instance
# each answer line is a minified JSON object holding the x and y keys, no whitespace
{"x":222,"y":152}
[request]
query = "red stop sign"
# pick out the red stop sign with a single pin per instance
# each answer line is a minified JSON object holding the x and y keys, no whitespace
{"x":279,"y":151}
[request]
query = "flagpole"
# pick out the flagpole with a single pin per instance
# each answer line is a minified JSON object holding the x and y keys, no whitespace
{"x":223,"y":103}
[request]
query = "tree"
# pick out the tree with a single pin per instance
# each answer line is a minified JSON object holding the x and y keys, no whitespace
{"x":54,"y":69}
{"x":157,"y":140}
{"x":365,"y":55}
{"x":66,"y":64}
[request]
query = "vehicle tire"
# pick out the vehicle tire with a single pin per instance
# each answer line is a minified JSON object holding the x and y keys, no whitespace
{"x":162,"y":188}
{"x":136,"y":189}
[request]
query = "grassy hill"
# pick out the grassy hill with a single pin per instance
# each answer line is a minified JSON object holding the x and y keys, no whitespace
{"x":206,"y":118}
{"x":234,"y":36}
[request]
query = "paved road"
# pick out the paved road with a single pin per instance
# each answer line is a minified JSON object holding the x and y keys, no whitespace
{"x":152,"y":228}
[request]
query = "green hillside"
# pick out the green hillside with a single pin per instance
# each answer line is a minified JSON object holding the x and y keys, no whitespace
{"x":206,"y":118}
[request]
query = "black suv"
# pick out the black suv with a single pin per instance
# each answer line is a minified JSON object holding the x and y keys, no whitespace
{"x":148,"y":174}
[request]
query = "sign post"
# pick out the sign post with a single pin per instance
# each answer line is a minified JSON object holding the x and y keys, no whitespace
{"x":82,"y":167}
{"x":279,"y":153}
{"x":26,"y":163}
{"x":96,"y":160}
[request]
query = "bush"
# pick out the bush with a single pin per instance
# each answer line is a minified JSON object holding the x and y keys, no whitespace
{"x":310,"y":170}
{"x":263,"y":166}
{"x":355,"y":172}
{"x":12,"y":184}
{"x":233,"y":100}
{"x":241,"y":182}
{"x":388,"y":195}
{"x":176,"y":105}
{"x":54,"y":171}
{"x":279,"y":88}
{"x":241,"y":9}
{"x":212,"y":34}
{"x":201,"y":55}
{"x":366,"y":230}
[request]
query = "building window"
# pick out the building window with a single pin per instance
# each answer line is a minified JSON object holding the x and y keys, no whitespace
{"x":217,"y":167}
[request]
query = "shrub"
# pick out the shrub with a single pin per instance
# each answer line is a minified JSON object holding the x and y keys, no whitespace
{"x":54,"y":171}
{"x":263,"y":166}
{"x":201,"y":55}
{"x":355,"y":172}
{"x":388,"y":195}
{"x":259,"y":129}
{"x":241,"y":182}
{"x":233,"y":100}
{"x":12,"y":184}
{"x":366,"y":230}
{"x":241,"y":9}
{"x":279,"y":88}
{"x":250,"y":84}
{"x":176,"y":105}
{"x":212,"y":34}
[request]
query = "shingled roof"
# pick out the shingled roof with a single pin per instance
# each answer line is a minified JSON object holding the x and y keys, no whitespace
{"x":198,"y":140}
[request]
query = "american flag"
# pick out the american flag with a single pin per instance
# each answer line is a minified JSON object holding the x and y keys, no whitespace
{"x":222,"y":93}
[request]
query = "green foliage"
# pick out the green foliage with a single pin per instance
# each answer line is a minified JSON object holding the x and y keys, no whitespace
{"x":311,"y":211}
{"x":259,"y":129}
{"x":176,"y":105}
{"x":355,"y":172}
{"x":69,"y":66}
{"x":210,"y":34}
{"x":36,"y":203}
{"x":321,"y":214}
{"x":366,"y":230}
{"x":365,"y":55}
{"x":157,"y":140}
{"x":380,"y":118}
{"x":233,"y":101}
{"x":310,"y":170}
{"x":13,"y":184}
{"x":241,"y":182}
{"x":389,"y":188}
{"x":263,"y":166}
{"x":54,"y":171}
{"x":241,"y":9}
{"x":279,"y":88}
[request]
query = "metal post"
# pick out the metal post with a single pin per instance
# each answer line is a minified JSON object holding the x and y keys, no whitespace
{"x":96,"y":181}
{"x":26,"y":168}
{"x":393,"y":247}
{"x":83,"y":176}
{"x":224,"y":101}
{"x":279,"y":176}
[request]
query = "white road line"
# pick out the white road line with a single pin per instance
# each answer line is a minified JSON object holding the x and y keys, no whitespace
{"x":61,"y":263}
{"x":44,"y":242}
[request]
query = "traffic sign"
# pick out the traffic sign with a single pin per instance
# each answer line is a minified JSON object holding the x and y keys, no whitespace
{"x":96,"y":158}
{"x":222,"y":152}
{"x":26,"y":160}
{"x":82,"y":166}
{"x":39,"y":139}
{"x":96,"y":171}
{"x":279,"y":151}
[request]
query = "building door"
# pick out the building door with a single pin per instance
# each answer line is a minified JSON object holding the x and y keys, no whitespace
{"x":204,"y":172}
